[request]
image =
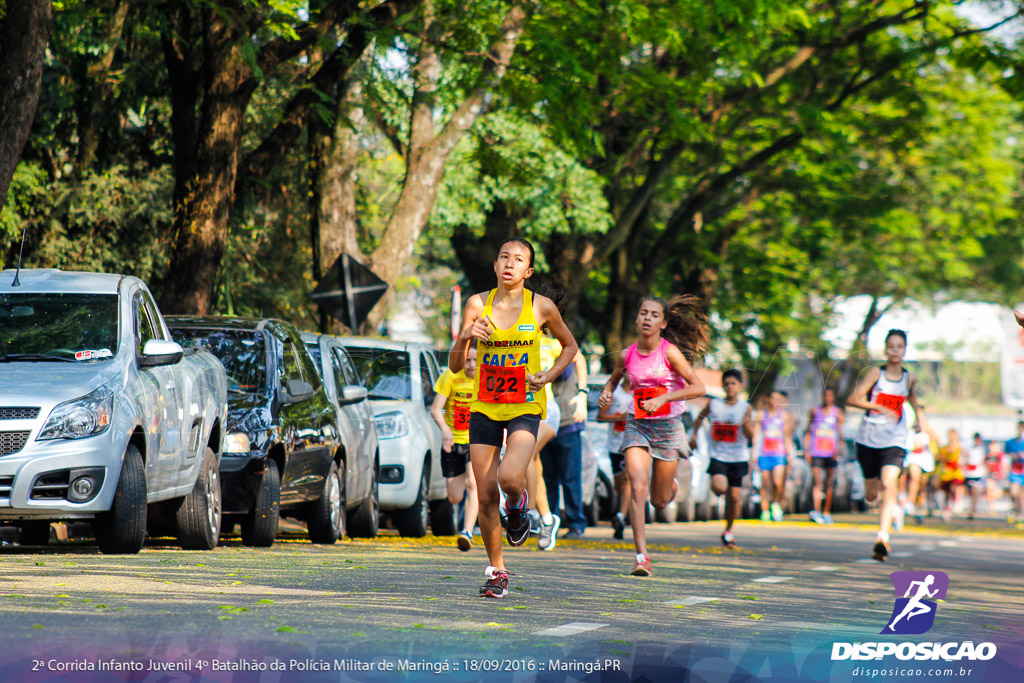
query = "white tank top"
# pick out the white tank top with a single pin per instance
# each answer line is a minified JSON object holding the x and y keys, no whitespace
{"x":727,"y":442}
{"x":878,"y":430}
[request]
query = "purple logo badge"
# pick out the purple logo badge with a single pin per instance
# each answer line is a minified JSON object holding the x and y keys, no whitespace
{"x":916,"y":593}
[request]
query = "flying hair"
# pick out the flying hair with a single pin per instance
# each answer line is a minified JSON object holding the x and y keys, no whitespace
{"x":687,"y":324}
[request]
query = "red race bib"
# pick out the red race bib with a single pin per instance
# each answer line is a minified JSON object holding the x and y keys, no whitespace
{"x":724,"y":432}
{"x":500,"y":384}
{"x":893,"y":403}
{"x":460,"y":420}
{"x":641,"y":395}
{"x":620,"y":426}
{"x":772,"y":444}
{"x":824,"y":444}
{"x":1017,"y":467}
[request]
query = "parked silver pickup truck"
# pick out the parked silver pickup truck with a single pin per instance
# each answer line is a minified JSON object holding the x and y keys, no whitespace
{"x":102,"y":416}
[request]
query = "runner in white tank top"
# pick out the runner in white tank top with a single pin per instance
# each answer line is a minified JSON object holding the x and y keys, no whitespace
{"x":732,"y":429}
{"x":882,"y":437}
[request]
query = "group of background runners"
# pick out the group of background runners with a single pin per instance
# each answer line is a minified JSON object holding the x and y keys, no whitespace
{"x":496,"y":412}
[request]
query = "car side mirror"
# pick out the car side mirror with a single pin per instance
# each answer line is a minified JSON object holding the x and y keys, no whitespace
{"x":353,"y":393}
{"x":159,"y":352}
{"x":297,"y":391}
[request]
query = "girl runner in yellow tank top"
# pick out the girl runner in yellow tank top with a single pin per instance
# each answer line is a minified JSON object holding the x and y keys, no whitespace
{"x":511,"y":395}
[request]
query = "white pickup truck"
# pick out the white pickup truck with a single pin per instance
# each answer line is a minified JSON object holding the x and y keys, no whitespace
{"x":102,"y":416}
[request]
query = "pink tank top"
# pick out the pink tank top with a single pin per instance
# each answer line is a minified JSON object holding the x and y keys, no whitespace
{"x":653,"y":372}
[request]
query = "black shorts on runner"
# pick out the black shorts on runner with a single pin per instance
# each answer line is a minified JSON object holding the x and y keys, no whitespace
{"x":484,"y":430}
{"x":733,"y":471}
{"x":872,"y":460}
{"x":453,"y":462}
{"x":618,"y":462}
{"x":823,"y":463}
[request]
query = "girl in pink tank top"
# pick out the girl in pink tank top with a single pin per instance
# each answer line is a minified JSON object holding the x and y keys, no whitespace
{"x":672,"y":335}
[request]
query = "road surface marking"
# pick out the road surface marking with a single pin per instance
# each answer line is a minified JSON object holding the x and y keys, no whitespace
{"x":772,"y":579}
{"x":948,"y":544}
{"x":903,"y":554}
{"x":926,"y":548}
{"x":867,"y":560}
{"x":824,"y":568}
{"x":692,"y":600}
{"x":569,"y":629}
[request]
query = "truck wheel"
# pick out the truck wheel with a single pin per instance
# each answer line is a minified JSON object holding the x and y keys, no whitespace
{"x":199,"y":516}
{"x":259,"y":526}
{"x":442,"y":518}
{"x":325,"y":518}
{"x":122,"y":529}
{"x":412,"y":521}
{"x":365,"y":523}
{"x":34,"y":533}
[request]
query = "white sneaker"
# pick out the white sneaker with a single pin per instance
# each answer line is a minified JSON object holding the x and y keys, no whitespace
{"x":897,"y":518}
{"x":547,"y":533}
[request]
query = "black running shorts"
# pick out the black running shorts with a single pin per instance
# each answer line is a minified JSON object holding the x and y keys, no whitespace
{"x":872,"y":460}
{"x":453,"y":462}
{"x":733,"y":471}
{"x":823,"y":463}
{"x":484,"y":430}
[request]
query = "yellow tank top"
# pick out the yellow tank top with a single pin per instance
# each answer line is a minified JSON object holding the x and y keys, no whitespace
{"x":503,"y":361}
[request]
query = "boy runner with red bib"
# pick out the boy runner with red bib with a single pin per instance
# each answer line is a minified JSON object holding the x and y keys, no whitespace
{"x":511,"y":396}
{"x":732,"y":429}
{"x":672,"y":334}
{"x":456,"y":392}
{"x":822,"y":442}
{"x":883,"y":433}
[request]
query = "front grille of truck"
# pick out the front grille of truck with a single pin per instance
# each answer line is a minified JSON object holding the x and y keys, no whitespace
{"x":52,"y":486}
{"x":6,"y":484}
{"x":12,"y":442}
{"x":19,"y":413}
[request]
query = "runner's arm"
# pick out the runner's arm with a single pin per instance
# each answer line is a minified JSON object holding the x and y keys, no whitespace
{"x":748,"y":424}
{"x":789,"y":427}
{"x":472,"y":326}
{"x":550,"y":316}
{"x":605,"y":399}
{"x":580,"y":399}
{"x":437,"y":412}
{"x":859,"y":397}
{"x":703,"y":415}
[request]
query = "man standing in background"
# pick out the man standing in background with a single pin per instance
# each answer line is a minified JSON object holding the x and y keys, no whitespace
{"x":562,"y":458}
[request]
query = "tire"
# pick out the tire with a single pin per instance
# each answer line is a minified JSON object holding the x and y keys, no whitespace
{"x":686,"y":510}
{"x":325,"y":517}
{"x":199,"y":517}
{"x":604,"y":493}
{"x":591,"y":510}
{"x":259,"y":526}
{"x":365,"y":522}
{"x":34,"y":532}
{"x":412,"y":521}
{"x":122,"y":529}
{"x":442,"y":518}
{"x":702,"y":511}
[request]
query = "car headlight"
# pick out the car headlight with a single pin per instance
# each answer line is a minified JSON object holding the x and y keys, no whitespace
{"x":391,"y":425}
{"x":236,"y":442}
{"x":80,"y":417}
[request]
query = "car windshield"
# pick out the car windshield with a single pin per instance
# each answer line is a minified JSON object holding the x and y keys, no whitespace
{"x":58,"y":327}
{"x":242,"y":352}
{"x":386,"y":374}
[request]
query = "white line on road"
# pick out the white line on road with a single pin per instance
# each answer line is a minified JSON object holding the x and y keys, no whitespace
{"x":824,"y":568}
{"x":903,"y":554}
{"x":772,"y":579}
{"x":948,"y":544}
{"x":926,"y":548}
{"x":866,"y":560}
{"x":569,"y":629}
{"x":692,"y":600}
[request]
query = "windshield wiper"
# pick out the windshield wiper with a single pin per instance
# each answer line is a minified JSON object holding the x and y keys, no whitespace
{"x":11,"y":357}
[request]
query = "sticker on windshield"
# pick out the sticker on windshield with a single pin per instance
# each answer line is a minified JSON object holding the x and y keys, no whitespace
{"x":93,"y":355}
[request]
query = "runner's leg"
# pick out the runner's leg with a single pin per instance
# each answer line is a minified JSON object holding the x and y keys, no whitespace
{"x":663,"y":478}
{"x":472,"y":500}
{"x":817,"y":493}
{"x":890,"y":493}
{"x":638,"y":467}
{"x":484,"y":459}
{"x":830,"y":485}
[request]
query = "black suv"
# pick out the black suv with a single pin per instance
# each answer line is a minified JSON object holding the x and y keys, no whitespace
{"x":281,"y":444}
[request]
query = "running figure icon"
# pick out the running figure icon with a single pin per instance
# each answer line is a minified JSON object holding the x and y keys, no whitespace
{"x":914,"y":606}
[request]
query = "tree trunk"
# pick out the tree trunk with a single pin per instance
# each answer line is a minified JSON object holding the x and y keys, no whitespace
{"x":429,"y":151}
{"x":24,"y":34}
{"x":201,"y":220}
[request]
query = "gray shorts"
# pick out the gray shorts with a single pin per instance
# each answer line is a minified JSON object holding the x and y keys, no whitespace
{"x":663,"y":439}
{"x":554,"y":414}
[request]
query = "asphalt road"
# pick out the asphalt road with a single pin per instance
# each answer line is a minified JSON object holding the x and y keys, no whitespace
{"x":781,"y":600}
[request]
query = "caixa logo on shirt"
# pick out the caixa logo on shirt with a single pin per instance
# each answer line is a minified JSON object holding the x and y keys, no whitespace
{"x":916,"y":596}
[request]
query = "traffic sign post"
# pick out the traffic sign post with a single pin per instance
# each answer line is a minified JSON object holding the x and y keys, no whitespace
{"x":349,"y":291}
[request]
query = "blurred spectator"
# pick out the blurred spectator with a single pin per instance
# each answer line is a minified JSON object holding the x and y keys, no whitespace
{"x":951,"y":474}
{"x":974,"y":471}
